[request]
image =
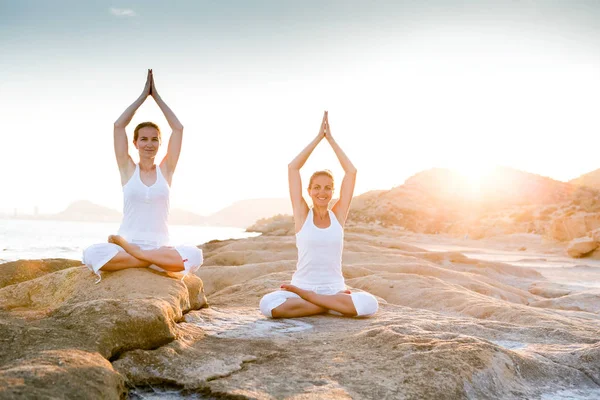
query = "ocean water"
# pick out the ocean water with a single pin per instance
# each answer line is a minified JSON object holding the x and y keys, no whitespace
{"x":35,"y":239}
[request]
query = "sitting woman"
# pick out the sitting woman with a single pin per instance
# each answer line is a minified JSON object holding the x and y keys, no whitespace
{"x":143,"y":237}
{"x":318,"y":284}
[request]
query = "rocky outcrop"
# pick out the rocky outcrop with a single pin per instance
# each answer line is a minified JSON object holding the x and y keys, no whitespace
{"x":59,"y":330}
{"x":403,"y":353}
{"x":590,"y":179}
{"x":24,"y":270}
{"x":458,"y":327}
{"x":581,"y":247}
{"x":279,"y":225}
{"x":569,"y":227}
{"x":449,"y":326}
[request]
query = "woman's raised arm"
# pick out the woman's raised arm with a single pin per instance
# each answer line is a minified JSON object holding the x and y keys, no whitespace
{"x":341,"y":208}
{"x":174,"y":148}
{"x":299,"y":205}
{"x":124,"y":160}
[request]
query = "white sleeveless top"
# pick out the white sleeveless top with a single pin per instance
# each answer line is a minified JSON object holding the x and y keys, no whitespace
{"x":146,"y":210}
{"x":319,"y":254}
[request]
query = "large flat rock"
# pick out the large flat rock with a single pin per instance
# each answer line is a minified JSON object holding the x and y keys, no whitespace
{"x":59,"y":330}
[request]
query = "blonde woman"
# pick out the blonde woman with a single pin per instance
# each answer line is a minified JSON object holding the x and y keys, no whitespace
{"x":318,"y":285}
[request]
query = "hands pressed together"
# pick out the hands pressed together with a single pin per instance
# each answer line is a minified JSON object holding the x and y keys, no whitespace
{"x":325,"y":131}
{"x":149,"y":87}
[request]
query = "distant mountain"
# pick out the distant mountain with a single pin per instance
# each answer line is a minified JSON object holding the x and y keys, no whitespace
{"x":441,"y":188}
{"x":244,"y":213}
{"x":184,"y":217}
{"x":241,"y":214}
{"x":84,"y":210}
{"x":505,"y":200}
{"x":501,"y":185}
{"x":591,"y":180}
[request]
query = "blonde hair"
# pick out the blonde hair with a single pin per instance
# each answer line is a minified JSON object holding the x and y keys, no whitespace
{"x":324,"y":172}
{"x":136,"y":131}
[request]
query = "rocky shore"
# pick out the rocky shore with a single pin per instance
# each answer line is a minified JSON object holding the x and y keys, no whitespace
{"x":449,"y":326}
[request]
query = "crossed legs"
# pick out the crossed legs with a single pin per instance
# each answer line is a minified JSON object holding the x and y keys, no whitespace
{"x":311,"y":303}
{"x":166,"y":258}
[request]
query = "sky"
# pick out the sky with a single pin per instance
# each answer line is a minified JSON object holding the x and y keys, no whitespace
{"x":409,"y":85}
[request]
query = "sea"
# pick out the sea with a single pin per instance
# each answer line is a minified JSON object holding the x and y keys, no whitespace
{"x":36,"y":239}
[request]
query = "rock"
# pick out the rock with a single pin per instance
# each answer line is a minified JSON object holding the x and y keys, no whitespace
{"x":588,"y":301}
{"x":569,"y":227}
{"x":460,"y":328}
{"x":279,"y":225}
{"x":581,"y":246}
{"x":65,"y":374}
{"x":449,"y":326}
{"x":595,"y":234}
{"x":58,"y":331}
{"x":249,"y":252}
{"x":24,"y":270}
{"x":550,"y":290}
{"x":350,"y":358}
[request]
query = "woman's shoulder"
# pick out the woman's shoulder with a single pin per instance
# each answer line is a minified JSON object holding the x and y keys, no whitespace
{"x":301,"y":217}
{"x":333,"y":216}
{"x":128,"y":172}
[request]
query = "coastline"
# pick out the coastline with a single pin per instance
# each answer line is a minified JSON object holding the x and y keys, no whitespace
{"x":458,"y":326}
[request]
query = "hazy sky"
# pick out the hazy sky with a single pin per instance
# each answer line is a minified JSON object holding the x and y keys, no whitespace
{"x":409,"y":85}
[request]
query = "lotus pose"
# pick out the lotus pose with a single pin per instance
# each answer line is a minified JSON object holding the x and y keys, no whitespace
{"x":143,"y":237}
{"x":318,"y":284}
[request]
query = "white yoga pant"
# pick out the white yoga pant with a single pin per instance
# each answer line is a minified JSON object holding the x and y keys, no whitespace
{"x":97,"y":255}
{"x":365,"y":303}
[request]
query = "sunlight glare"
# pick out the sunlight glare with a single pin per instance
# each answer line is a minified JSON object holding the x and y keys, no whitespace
{"x":474,"y":175}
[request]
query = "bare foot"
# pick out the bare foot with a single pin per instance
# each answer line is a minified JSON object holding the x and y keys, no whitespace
{"x":128,"y":247}
{"x":293,"y":289}
{"x":302,"y":292}
{"x":305,"y":294}
{"x":118,"y":240}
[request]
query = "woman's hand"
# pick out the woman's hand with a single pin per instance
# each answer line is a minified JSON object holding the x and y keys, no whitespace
{"x":327,"y":128}
{"x":148,"y":86}
{"x":323,"y":128}
{"x":153,"y":91}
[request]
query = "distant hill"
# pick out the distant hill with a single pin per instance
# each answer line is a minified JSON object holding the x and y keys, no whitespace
{"x":184,"y":217}
{"x":244,"y":213}
{"x":591,"y":180}
{"x":502,"y":185}
{"x":241,"y":214}
{"x":441,"y":188}
{"x":84,"y":210}
{"x":506,"y":200}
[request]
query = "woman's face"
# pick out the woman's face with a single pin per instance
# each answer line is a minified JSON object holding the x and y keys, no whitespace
{"x":148,"y":142}
{"x":321,"y":190}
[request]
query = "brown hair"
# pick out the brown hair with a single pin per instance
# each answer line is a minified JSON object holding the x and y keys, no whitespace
{"x":136,"y":131}
{"x":324,"y":172}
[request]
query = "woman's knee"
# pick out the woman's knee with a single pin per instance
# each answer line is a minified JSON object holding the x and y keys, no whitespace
{"x":365,"y":304}
{"x":97,"y":255}
{"x":271,"y":301}
{"x":191,"y":257}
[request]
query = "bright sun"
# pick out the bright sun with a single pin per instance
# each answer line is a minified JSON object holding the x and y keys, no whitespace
{"x":474,"y":175}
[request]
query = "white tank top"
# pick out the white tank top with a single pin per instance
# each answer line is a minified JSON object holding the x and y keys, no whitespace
{"x":319,"y":254}
{"x":146,"y":210}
